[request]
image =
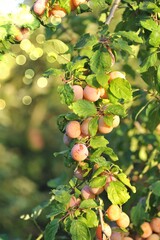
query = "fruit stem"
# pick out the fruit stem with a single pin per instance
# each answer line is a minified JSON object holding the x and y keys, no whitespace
{"x":112,"y":12}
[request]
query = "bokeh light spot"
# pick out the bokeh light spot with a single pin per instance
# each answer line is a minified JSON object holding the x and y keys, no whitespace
{"x":20,"y":59}
{"x":25,"y":45}
{"x":40,"y":38}
{"x":42,"y":82}
{"x":29,"y":73}
{"x":26,"y":100}
{"x":2,"y":104}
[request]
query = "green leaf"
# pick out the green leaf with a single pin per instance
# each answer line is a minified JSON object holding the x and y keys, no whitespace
{"x":53,"y":72}
{"x":98,"y":141}
{"x":66,"y":94}
{"x":108,"y":120}
{"x":92,"y":81}
{"x":155,"y":187}
{"x":53,"y":183}
{"x":97,"y":6}
{"x":117,"y":193}
{"x":84,"y":108}
{"x":153,"y":114}
{"x":116,"y":109}
{"x":149,"y":6}
{"x":101,"y":161}
{"x":111,"y":153}
{"x":100,"y":170}
{"x":132,"y":36}
{"x":86,"y":40}
{"x":61,"y":122}
{"x":65,"y":4}
{"x":138,"y":214}
{"x":89,"y":203}
{"x":93,"y":126}
{"x":79,"y":231}
{"x":120,"y":45}
{"x":61,"y":195}
{"x":97,"y":182}
{"x":92,"y":219}
{"x":56,"y":209}
{"x":123,"y":178}
{"x":100,"y":61}
{"x":79,"y":64}
{"x":154,"y":38}
{"x":121,"y":89}
{"x":56,"y":48}
{"x":158,"y":75}
{"x":149,"y":24}
{"x":51,"y":230}
{"x":102,"y":79}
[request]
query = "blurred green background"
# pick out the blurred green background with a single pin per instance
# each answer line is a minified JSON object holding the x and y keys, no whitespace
{"x":29,"y":106}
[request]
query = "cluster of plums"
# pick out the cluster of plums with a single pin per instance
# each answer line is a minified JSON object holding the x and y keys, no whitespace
{"x":55,"y":10}
{"x":77,"y":130}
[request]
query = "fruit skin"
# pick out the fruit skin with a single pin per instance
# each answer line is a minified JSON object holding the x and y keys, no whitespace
{"x":113,"y":212}
{"x":103,"y":93}
{"x":153,"y":236}
{"x":39,"y":7}
{"x":116,"y":236}
{"x":76,"y":3}
{"x":127,"y":238}
{"x":73,"y":7}
{"x":99,"y":232}
{"x":58,"y":12}
{"x":91,"y":94}
{"x":155,"y":225}
{"x":79,"y":152}
{"x":97,"y":190}
{"x":146,"y":228}
{"x":123,"y":221}
{"x":85,"y":126}
{"x":74,"y":202}
{"x":116,"y":121}
{"x":107,"y":229}
{"x":22,"y":33}
{"x":73,"y":129}
{"x":102,"y":127}
{"x":78,"y":92}
{"x":66,"y":139}
{"x":78,"y":173}
{"x":86,"y":193}
{"x":116,"y":74}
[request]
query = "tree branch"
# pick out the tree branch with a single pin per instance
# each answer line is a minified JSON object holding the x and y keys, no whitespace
{"x":113,"y":9}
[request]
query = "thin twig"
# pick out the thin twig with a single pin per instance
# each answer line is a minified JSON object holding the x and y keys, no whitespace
{"x":113,"y":9}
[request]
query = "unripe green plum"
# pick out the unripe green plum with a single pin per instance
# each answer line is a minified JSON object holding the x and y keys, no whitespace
{"x":78,"y":92}
{"x":123,"y":221}
{"x":79,"y":152}
{"x":153,"y":236}
{"x":155,"y":225}
{"x":91,"y":94}
{"x":73,"y":129}
{"x":86,"y":193}
{"x":147,"y":230}
{"x":113,"y":212}
{"x":116,"y":121}
{"x":102,"y":127}
{"x":85,"y":126}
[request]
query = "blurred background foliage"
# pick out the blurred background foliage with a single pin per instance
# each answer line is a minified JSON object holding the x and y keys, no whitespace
{"x":29,"y":106}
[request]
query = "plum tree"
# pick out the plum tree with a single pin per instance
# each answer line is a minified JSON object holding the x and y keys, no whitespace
{"x":116,"y":121}
{"x":147,"y":230}
{"x":39,"y":7}
{"x":153,"y":236}
{"x":123,"y":221}
{"x":102,"y":127}
{"x":73,"y":129}
{"x":78,"y":92}
{"x":113,"y":212}
{"x":155,"y":225}
{"x":86,"y":193}
{"x":79,"y":152}
{"x":85,"y":126}
{"x":91,"y":94}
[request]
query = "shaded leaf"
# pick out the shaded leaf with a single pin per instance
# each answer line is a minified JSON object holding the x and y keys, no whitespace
{"x":51,"y":230}
{"x":84,"y":108}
